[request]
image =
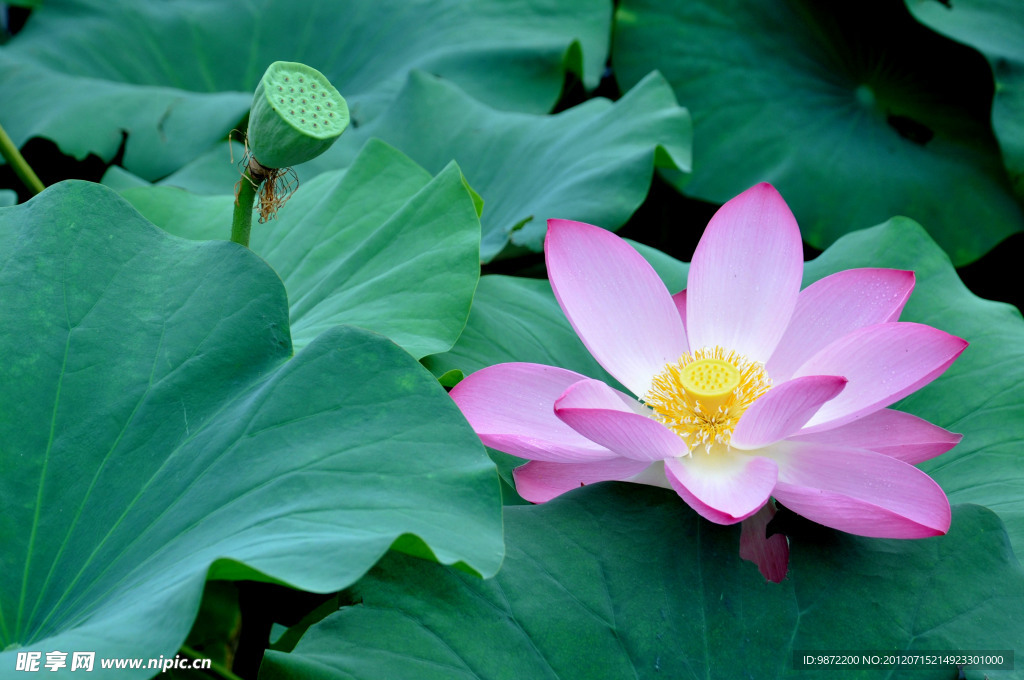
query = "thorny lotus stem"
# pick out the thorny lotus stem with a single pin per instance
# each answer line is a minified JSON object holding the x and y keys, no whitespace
{"x":17,"y":162}
{"x":245,"y":196}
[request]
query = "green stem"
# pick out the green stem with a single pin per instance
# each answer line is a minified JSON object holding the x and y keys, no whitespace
{"x":17,"y":162}
{"x":241,"y":221}
{"x":217,"y":669}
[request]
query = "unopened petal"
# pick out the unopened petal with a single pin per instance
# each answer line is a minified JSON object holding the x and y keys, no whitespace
{"x":745,"y":275}
{"x":893,"y":433}
{"x":858,"y":491}
{"x":615,"y":301}
{"x":834,"y":306}
{"x":784,"y":409}
{"x":540,"y":481}
{"x":883,"y":363}
{"x":511,"y":408}
{"x":769,"y":553}
{"x":613,"y":420}
{"x":724,"y":486}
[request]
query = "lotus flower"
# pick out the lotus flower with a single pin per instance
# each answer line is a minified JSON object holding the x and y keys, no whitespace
{"x":744,"y":387}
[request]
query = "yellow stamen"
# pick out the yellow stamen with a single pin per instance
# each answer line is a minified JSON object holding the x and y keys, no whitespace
{"x":702,"y":396}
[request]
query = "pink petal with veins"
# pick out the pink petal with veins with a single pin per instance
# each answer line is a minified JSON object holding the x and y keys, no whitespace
{"x":540,"y":481}
{"x":725,"y":486}
{"x":834,"y":306}
{"x":745,"y":275}
{"x":784,"y":409}
{"x":511,"y":408}
{"x":614,"y":420}
{"x":858,"y":491}
{"x":883,"y":363}
{"x":615,"y":302}
{"x":894,"y":433}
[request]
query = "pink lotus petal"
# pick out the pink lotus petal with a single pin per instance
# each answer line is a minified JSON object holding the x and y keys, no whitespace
{"x":883,"y":363}
{"x":680,"y":301}
{"x":745,"y":275}
{"x":858,"y":491}
{"x":615,"y":302}
{"x":540,"y":481}
{"x":511,"y":408}
{"x":614,"y":420}
{"x":834,"y":306}
{"x":725,"y":486}
{"x":769,"y":553}
{"x":784,"y":409}
{"x":893,"y":433}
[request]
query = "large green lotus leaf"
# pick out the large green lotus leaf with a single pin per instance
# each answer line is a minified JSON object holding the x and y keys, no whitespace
{"x":614,"y":581}
{"x":981,"y":396}
{"x":996,"y":29}
{"x":7,"y":197}
{"x":854,"y":111}
{"x":516,"y":319}
{"x":177,"y":76}
{"x":160,"y":128}
{"x":156,"y":429}
{"x":206,"y":174}
{"x":591,"y":163}
{"x":381,"y":245}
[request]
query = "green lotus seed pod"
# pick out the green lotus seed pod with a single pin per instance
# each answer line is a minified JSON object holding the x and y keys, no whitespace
{"x":296,"y":115}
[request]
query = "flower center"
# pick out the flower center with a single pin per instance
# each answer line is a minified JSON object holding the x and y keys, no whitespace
{"x":701,"y":396}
